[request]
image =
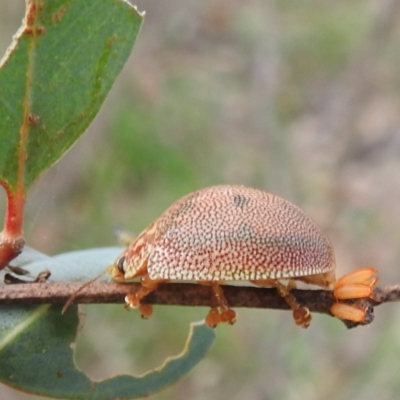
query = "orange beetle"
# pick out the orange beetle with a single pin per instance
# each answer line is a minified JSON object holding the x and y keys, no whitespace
{"x":222,"y":234}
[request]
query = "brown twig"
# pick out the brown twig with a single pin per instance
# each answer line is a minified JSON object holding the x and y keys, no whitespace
{"x":181,"y":294}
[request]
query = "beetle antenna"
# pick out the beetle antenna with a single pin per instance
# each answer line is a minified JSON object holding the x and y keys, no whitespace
{"x":86,"y":284}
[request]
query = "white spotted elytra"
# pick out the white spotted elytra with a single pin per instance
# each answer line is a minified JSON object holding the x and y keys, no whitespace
{"x":227,"y":233}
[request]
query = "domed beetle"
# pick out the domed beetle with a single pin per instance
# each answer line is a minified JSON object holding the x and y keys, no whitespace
{"x":234,"y":233}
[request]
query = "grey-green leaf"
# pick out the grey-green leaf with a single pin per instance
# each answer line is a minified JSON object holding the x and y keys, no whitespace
{"x":72,"y":266}
{"x":36,"y":357}
{"x":35,"y":342}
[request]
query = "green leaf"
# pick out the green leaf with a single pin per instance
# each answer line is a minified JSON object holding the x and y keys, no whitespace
{"x":55,"y":77}
{"x":36,"y":356}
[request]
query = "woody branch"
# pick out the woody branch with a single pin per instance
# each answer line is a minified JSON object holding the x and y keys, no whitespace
{"x":181,"y":294}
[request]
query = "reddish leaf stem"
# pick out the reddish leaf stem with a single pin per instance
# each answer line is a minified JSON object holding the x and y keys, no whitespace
{"x":12,"y":238}
{"x":14,"y":213}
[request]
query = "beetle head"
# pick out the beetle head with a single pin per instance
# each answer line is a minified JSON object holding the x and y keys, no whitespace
{"x":133,"y":261}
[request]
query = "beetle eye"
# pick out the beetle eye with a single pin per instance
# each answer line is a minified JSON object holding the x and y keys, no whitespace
{"x":120,"y":264}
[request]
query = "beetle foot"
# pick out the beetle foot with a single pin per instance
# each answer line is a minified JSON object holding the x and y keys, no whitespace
{"x":228,"y":316}
{"x":146,"y":310}
{"x":302,"y":316}
{"x":131,"y":301}
{"x":134,"y":300}
{"x":213,"y":317}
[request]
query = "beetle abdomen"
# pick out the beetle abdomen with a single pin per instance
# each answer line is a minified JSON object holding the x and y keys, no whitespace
{"x":229,"y":233}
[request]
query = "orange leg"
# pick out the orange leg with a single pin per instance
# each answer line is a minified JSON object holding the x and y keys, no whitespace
{"x":355,"y":285}
{"x":214,"y":317}
{"x":134,"y":300}
{"x":301,"y":314}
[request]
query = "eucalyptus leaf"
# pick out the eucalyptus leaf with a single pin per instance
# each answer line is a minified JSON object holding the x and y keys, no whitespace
{"x":36,"y":356}
{"x":55,"y":77}
{"x":73,"y":266}
{"x":36,"y":343}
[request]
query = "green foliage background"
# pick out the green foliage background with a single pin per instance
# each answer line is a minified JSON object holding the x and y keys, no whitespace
{"x":297,"y":98}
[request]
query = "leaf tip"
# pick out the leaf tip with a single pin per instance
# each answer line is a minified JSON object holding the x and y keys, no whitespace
{"x":141,"y":13}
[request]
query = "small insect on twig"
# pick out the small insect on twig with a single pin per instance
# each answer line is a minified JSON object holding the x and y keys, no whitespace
{"x":222,"y":234}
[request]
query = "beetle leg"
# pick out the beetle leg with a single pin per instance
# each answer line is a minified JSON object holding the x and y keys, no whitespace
{"x":134,"y":300}
{"x":301,"y":314}
{"x":226,"y":314}
{"x":213,"y":317}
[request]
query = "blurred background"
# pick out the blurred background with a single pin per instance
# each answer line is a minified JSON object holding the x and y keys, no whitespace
{"x":301,"y":99}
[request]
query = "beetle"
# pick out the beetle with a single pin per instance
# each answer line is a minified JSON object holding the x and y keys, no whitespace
{"x":229,"y":233}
